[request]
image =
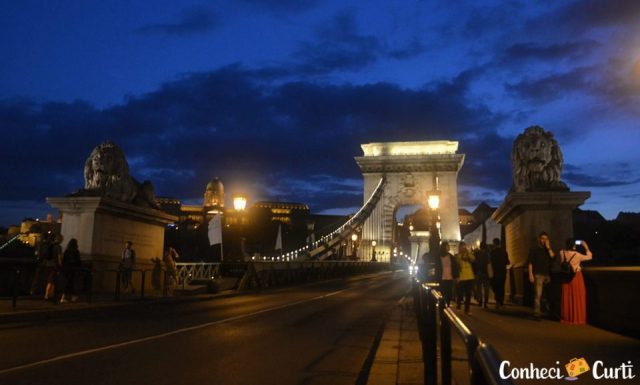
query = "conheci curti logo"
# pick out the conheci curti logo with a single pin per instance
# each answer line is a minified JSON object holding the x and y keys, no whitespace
{"x":575,"y":368}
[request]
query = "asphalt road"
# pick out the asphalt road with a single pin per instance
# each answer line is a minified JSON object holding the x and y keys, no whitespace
{"x":313,"y":334}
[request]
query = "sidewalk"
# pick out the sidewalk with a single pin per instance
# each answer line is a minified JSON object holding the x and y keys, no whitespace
{"x":398,"y":359}
{"x":515,"y":336}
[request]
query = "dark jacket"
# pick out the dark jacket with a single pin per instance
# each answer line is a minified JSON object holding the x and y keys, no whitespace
{"x":481,"y":264}
{"x":499,"y":261}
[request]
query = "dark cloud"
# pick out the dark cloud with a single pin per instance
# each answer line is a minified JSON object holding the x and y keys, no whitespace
{"x":603,"y":175}
{"x":550,"y":87}
{"x":556,"y":51}
{"x":228,"y":124}
{"x":339,"y":46}
{"x":284,"y":6}
{"x":584,"y":15}
{"x":195,"y":20}
{"x":586,"y":180}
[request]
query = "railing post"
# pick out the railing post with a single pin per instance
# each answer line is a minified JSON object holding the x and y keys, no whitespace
{"x":471,"y":343}
{"x":89,"y":283}
{"x":144,"y":274}
{"x":117,"y":291}
{"x":165,"y":285}
{"x":445,"y":345}
{"x":431,"y":356}
{"x":16,"y":277}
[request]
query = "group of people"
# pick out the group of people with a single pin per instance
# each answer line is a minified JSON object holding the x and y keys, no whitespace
{"x":558,"y":276}
{"x":57,"y":266}
{"x":128,"y":263}
{"x":468,"y":271}
{"x":566,"y":293}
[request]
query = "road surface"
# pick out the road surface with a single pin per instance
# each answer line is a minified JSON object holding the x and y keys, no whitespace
{"x":321,"y":333}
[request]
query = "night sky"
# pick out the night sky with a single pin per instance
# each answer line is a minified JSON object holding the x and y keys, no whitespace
{"x":276,"y":96}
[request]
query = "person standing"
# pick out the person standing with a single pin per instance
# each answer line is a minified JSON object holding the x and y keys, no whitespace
{"x":446,"y":271}
{"x":70,"y":262}
{"x":42,"y":255}
{"x":170,"y":256}
{"x":482,"y":275}
{"x":574,"y":293}
{"x":465,"y":263}
{"x":53,"y":263}
{"x":499,"y":263}
{"x":540,"y":257}
{"x":126,"y":267}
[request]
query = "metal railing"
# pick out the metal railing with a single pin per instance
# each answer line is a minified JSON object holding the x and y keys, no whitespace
{"x":437,"y":319}
{"x":196,"y":271}
{"x":16,"y":268}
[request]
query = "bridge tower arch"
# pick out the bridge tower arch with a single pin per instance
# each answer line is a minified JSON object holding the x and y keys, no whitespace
{"x":409,"y":169}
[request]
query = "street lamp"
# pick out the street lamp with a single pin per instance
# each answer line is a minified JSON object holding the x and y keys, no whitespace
{"x":373,"y":254}
{"x":433,"y":200}
{"x":239,"y":202}
{"x":354,"y":246}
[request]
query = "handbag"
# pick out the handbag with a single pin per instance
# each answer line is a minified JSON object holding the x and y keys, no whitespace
{"x":566,"y":270}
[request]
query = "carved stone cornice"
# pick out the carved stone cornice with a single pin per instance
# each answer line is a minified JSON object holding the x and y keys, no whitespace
{"x":410,"y":163}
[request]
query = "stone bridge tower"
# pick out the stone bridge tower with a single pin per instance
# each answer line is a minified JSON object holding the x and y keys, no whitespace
{"x":410,"y":169}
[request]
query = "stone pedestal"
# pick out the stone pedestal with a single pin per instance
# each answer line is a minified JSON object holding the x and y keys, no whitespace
{"x":525,"y":215}
{"x":103,"y":225}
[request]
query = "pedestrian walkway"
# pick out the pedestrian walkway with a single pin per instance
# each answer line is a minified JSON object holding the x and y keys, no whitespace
{"x":515,"y":335}
{"x":398,"y":359}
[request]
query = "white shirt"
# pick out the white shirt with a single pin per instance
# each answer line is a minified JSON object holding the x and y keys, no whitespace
{"x":446,"y":267}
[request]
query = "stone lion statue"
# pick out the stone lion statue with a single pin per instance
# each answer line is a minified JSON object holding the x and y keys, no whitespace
{"x":537,"y":162}
{"x":106,"y":173}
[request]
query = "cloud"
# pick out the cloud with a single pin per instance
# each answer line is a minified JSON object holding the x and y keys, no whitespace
{"x":284,"y":6}
{"x":339,"y":46}
{"x":601,"y":175}
{"x":584,"y":15}
{"x":194,"y":20}
{"x":554,"y":51}
{"x":298,"y":136}
{"x":550,"y":87}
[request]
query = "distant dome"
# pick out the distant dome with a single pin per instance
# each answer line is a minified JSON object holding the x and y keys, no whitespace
{"x":214,"y":194}
{"x":215,"y":185}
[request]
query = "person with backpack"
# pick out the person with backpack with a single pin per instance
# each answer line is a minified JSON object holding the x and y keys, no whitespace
{"x":574,"y":293}
{"x":52,"y":262}
{"x":70,"y":263}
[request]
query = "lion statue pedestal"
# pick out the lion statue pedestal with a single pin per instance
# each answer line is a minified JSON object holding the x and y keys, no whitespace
{"x":538,"y":202}
{"x":113,"y":208}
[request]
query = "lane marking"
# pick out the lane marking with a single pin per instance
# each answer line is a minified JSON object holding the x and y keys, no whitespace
{"x":171,"y":333}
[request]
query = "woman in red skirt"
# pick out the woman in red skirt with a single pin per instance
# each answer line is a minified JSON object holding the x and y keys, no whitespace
{"x":574,"y":294}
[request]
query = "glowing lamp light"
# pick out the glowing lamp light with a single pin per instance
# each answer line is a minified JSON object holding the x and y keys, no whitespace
{"x":374,"y":243}
{"x":239,"y":202}
{"x":354,"y":237}
{"x":434,"y":200}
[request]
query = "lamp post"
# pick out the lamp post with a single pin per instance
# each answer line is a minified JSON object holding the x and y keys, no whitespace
{"x":354,"y":246}
{"x":373,"y":253}
{"x":239,"y":207}
{"x":433,"y":201}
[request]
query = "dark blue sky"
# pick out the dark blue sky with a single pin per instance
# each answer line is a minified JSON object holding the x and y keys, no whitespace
{"x":275,"y":96}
